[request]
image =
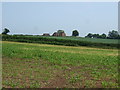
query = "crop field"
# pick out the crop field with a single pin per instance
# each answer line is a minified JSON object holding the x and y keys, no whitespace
{"x":95,"y":40}
{"x":28,"y":65}
{"x":65,"y":41}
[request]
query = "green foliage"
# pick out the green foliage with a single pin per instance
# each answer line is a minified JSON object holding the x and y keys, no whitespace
{"x":90,"y":35}
{"x":60,"y":41}
{"x":75,"y":33}
{"x":103,"y":36}
{"x":75,"y":79}
{"x":60,"y":31}
{"x":95,"y":35}
{"x":113,"y":34}
{"x":32,"y":65}
{"x":5,"y":31}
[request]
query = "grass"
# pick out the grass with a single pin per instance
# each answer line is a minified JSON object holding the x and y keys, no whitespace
{"x":27,"y":65}
{"x":65,"y":41}
{"x":96,"y":40}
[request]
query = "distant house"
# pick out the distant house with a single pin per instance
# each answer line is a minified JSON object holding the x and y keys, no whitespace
{"x":46,"y":34}
{"x":60,"y":33}
{"x":55,"y":34}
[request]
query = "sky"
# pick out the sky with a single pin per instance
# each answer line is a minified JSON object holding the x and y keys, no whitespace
{"x":47,"y":17}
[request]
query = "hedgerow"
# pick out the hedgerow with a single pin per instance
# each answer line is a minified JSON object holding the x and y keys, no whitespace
{"x":56,"y":41}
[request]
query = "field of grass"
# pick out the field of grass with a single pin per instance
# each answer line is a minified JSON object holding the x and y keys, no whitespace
{"x":65,"y":41}
{"x":28,"y":65}
{"x":94,"y":40}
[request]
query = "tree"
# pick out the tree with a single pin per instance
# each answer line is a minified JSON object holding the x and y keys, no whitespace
{"x":96,"y":35}
{"x":113,"y":34}
{"x":75,"y":33}
{"x":60,"y":31}
{"x":5,"y":31}
{"x":103,"y":36}
{"x":90,"y":35}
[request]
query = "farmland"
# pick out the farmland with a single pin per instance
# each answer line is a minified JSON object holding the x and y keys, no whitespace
{"x":31,"y":65}
{"x":94,"y":40}
{"x":66,"y":41}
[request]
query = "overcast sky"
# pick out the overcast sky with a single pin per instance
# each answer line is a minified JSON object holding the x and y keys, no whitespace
{"x":48,"y":17}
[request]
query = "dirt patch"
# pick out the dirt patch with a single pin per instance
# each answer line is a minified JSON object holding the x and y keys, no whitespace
{"x":57,"y":78}
{"x":58,"y":81}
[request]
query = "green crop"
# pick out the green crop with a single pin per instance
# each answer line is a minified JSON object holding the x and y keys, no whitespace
{"x":29,"y":65}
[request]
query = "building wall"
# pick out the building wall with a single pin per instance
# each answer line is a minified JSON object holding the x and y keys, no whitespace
{"x":59,"y":34}
{"x":63,"y":34}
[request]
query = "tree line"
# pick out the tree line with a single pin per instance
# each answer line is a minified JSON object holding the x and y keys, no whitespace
{"x":111,"y":34}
